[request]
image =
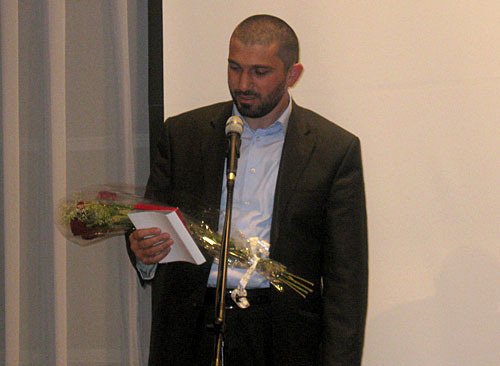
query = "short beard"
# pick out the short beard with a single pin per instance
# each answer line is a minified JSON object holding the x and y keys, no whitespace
{"x":266,"y":105}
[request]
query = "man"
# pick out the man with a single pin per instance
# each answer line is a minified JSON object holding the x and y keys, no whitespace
{"x":299,"y":185}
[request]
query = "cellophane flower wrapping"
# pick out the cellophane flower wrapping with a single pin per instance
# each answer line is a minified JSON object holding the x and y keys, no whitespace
{"x":96,"y":213}
{"x":245,"y":252}
{"x":99,"y":212}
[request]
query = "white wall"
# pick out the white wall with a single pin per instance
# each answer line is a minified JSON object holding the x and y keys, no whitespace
{"x":419,"y":83}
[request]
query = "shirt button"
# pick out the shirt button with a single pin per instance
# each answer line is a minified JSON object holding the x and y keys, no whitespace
{"x":252,"y":170}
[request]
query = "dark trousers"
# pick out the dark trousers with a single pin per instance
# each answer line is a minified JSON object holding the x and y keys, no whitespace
{"x":248,"y":332}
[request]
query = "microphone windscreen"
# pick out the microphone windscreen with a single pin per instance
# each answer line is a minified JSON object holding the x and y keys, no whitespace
{"x":234,"y":125}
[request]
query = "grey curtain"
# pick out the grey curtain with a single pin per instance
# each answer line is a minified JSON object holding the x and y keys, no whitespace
{"x":73,"y":113}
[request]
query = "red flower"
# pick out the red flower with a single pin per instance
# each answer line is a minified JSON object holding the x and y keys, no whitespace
{"x":106,"y":195}
{"x":79,"y":228}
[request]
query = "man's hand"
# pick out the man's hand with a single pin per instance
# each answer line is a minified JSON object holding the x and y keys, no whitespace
{"x":149,"y":246}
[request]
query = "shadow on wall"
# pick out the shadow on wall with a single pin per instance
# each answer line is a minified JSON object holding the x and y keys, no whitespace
{"x":459,"y":325}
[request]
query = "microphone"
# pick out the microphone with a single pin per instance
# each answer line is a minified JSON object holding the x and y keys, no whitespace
{"x":234,"y":128}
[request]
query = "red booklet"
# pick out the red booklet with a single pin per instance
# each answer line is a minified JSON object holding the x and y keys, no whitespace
{"x":147,"y":207}
{"x":169,"y":219}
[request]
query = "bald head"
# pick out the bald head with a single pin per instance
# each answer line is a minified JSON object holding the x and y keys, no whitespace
{"x":266,"y":30}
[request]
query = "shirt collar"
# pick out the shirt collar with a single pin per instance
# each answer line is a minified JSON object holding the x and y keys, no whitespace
{"x":282,"y":120}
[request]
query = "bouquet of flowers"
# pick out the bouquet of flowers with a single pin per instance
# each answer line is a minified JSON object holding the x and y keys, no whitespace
{"x":100,"y":212}
{"x":96,"y":213}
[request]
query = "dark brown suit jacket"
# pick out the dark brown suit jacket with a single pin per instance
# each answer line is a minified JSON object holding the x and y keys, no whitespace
{"x":318,"y":231}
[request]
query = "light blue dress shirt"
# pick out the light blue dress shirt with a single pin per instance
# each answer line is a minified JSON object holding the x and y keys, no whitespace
{"x":253,"y":196}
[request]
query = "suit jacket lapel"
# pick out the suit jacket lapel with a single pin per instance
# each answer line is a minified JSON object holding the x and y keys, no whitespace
{"x":213,"y":151}
{"x":297,"y":151}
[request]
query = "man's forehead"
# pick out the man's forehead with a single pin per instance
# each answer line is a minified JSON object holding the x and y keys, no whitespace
{"x":253,"y":53}
{"x":236,"y":43}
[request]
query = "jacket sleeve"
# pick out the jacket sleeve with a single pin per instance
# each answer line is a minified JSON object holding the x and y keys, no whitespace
{"x":156,"y":189}
{"x":345,"y":264}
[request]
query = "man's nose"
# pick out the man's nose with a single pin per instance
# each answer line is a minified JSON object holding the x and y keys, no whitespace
{"x":245,"y":82}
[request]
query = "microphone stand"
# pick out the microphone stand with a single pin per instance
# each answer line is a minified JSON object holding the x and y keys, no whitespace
{"x":219,"y":321}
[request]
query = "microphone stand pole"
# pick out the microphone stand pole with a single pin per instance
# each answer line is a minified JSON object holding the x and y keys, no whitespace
{"x":219,"y":321}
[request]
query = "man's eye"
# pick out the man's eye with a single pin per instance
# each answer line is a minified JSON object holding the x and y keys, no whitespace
{"x":234,"y":67}
{"x":261,"y":72}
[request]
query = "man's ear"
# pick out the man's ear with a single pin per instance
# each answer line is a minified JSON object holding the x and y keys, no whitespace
{"x":293,"y":74}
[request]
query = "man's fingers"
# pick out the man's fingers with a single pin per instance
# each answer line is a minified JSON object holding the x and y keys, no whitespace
{"x":143,"y":234}
{"x":156,"y":256}
{"x":150,"y":245}
{"x":157,"y":248}
{"x":154,"y":241}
